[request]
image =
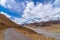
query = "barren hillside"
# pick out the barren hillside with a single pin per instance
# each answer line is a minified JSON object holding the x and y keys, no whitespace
{"x":48,"y":28}
{"x":9,"y":27}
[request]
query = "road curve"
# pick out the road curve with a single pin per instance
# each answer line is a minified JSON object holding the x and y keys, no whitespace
{"x":11,"y":34}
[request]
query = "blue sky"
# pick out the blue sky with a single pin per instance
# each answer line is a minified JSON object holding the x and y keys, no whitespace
{"x":28,"y":11}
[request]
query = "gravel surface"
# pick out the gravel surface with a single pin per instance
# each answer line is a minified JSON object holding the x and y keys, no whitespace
{"x":11,"y":34}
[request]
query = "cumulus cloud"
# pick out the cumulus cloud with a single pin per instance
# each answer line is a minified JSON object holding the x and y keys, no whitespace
{"x":57,"y":3}
{"x":34,"y":13}
{"x":12,"y":5}
{"x":45,"y":12}
{"x":19,"y":20}
{"x":38,"y":13}
{"x":2,"y":2}
{"x":5,"y":14}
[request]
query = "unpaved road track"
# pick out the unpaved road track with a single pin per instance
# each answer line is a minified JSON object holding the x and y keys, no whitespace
{"x":11,"y":34}
{"x":46,"y":33}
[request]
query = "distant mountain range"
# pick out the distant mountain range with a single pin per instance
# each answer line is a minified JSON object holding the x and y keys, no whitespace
{"x":6,"y":22}
{"x":45,"y":23}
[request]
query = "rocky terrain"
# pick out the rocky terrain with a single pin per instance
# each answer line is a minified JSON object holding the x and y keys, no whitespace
{"x":12,"y":31}
{"x":49,"y":28}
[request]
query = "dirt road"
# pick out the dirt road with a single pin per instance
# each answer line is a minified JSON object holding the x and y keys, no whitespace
{"x":11,"y":34}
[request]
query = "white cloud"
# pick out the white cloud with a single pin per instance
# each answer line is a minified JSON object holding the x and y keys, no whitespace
{"x":57,"y":3}
{"x":41,"y":11}
{"x":12,"y":5}
{"x":22,"y":21}
{"x":5,"y":14}
{"x":2,"y":2}
{"x":19,"y":20}
{"x":44,"y":12}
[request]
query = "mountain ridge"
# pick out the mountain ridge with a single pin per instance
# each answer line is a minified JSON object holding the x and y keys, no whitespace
{"x":5,"y":23}
{"x":45,"y":23}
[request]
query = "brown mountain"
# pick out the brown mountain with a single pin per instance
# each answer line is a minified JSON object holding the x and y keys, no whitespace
{"x":49,"y":28}
{"x":6,"y":24}
{"x":52,"y":26}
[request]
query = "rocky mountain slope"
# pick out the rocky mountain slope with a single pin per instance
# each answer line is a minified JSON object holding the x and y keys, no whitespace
{"x":6,"y":25}
{"x":49,"y":28}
